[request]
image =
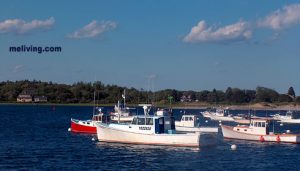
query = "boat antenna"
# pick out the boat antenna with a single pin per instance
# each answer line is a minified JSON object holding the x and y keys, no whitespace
{"x":94,"y":102}
{"x":273,"y":125}
{"x":124,"y":97}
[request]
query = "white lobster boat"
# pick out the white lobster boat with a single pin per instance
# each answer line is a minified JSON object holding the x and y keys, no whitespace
{"x":289,"y":117}
{"x":121,"y":114}
{"x":152,"y":130}
{"x":257,"y":131}
{"x":219,"y":115}
{"x":189,"y":123}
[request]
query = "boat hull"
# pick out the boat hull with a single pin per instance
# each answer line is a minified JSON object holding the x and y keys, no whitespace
{"x":292,"y":121}
{"x":228,"y":132}
{"x":108,"y":134}
{"x":78,"y":127}
{"x":222,"y":118}
{"x":196,"y":129}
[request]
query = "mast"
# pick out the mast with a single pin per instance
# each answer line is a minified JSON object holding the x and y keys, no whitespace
{"x":94,"y":102}
{"x":124,"y":97}
{"x":119,"y":111}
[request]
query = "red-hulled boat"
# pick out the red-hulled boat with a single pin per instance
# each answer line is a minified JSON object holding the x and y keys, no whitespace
{"x":88,"y":126}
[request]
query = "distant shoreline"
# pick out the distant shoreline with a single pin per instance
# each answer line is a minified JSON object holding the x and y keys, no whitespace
{"x":255,"y":106}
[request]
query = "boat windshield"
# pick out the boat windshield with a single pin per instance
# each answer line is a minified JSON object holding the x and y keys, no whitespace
{"x":259,"y":124}
{"x":142,"y":121}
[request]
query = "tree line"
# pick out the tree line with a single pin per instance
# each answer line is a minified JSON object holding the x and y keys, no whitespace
{"x":83,"y":92}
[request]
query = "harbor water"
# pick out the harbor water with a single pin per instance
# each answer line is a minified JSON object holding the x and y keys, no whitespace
{"x":36,"y":137}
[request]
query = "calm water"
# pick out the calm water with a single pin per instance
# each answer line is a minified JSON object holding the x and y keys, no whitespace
{"x":36,"y":138}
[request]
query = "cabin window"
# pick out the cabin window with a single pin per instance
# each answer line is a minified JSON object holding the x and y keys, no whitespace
{"x":134,"y":121}
{"x":186,"y":118}
{"x":161,"y":121}
{"x":238,"y":129}
{"x":191,"y":118}
{"x":245,"y":130}
{"x":88,"y":123}
{"x":263,"y":124}
{"x":149,"y":121}
{"x":141,"y":121}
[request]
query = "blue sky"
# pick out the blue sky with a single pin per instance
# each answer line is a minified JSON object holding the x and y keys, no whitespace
{"x":185,"y":45}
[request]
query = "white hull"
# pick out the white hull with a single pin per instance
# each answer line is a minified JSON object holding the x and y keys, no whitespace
{"x":196,"y":129}
{"x":290,"y":121}
{"x":214,"y":116}
{"x":110,"y":134}
{"x":242,"y":121}
{"x":206,"y":114}
{"x":222,"y":118}
{"x":228,"y":132}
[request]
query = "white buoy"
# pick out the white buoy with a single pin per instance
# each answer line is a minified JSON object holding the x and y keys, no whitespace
{"x":69,"y":129}
{"x":93,"y":139}
{"x":281,"y":124}
{"x":288,"y":131}
{"x":220,"y":124}
{"x":206,"y":121}
{"x":233,"y":147}
{"x":220,"y":121}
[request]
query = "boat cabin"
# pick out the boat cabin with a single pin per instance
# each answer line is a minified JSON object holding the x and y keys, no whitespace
{"x":292,"y":115}
{"x":153,"y":124}
{"x":188,"y":121}
{"x":222,"y":112}
{"x":101,"y":117}
{"x":257,"y":126}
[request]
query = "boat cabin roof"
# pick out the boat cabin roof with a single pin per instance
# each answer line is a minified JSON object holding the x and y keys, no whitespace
{"x":189,"y":115}
{"x":149,"y":116}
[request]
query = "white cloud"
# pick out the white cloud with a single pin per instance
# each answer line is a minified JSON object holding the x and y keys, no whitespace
{"x":18,"y":68}
{"x":94,"y":29}
{"x":19,"y":26}
{"x":235,"y":32}
{"x":281,"y":18}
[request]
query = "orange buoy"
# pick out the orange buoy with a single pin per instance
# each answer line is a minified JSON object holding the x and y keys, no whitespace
{"x":261,"y":139}
{"x":278,"y":138}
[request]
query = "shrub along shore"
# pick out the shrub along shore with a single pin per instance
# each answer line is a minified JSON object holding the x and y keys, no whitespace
{"x":82,"y":93}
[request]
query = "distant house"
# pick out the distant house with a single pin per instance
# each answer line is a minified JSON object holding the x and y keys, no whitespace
{"x":24,"y":98}
{"x":187,"y":98}
{"x":40,"y":99}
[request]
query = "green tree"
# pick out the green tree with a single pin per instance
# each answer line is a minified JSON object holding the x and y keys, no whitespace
{"x":266,"y":95}
{"x":228,"y":94}
{"x":291,"y":92}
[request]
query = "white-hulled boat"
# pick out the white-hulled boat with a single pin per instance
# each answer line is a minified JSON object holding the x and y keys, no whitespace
{"x":219,"y":115}
{"x":257,"y":131}
{"x":190,"y":123}
{"x":152,"y":130}
{"x":242,"y":118}
{"x":289,"y":117}
{"x":121,"y":114}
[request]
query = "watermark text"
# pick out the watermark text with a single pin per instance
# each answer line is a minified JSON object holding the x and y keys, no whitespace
{"x":37,"y":49}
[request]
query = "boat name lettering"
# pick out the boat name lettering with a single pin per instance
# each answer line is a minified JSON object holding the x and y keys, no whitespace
{"x":144,"y":128}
